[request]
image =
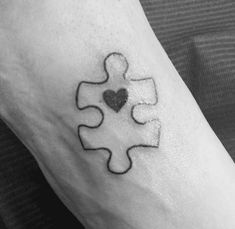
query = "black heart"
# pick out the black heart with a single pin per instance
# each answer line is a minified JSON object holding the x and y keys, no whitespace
{"x":115,"y":100}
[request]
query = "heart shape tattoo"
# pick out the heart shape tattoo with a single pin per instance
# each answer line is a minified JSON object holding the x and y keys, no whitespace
{"x":115,"y":100}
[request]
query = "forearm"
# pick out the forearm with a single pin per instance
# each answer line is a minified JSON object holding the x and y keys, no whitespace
{"x":186,"y":181}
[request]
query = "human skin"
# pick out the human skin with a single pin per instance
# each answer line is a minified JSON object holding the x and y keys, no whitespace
{"x":47,"y":48}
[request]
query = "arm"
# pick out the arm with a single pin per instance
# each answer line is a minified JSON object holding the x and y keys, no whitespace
{"x":48,"y":48}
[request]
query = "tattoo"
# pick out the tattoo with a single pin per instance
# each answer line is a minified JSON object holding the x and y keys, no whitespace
{"x":115,"y":100}
{"x":122,"y":103}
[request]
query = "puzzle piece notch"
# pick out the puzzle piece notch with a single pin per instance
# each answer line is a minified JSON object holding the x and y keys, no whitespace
{"x":119,"y":141}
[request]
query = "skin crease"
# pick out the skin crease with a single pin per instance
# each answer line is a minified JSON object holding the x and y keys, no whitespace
{"x":47,"y":48}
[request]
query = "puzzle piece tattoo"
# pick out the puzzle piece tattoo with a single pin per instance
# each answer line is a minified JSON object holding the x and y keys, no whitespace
{"x":125,"y":108}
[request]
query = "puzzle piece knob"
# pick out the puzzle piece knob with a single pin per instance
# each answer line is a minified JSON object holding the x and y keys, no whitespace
{"x":115,"y":64}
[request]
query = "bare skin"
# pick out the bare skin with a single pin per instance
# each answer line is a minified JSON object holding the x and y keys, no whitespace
{"x":47,"y":48}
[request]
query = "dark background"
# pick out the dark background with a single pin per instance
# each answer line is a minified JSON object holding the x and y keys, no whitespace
{"x":199,"y":37}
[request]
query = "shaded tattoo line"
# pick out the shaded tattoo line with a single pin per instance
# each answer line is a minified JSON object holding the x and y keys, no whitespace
{"x":103,"y":116}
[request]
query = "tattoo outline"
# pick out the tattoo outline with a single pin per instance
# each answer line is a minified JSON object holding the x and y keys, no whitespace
{"x":117,"y":109}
